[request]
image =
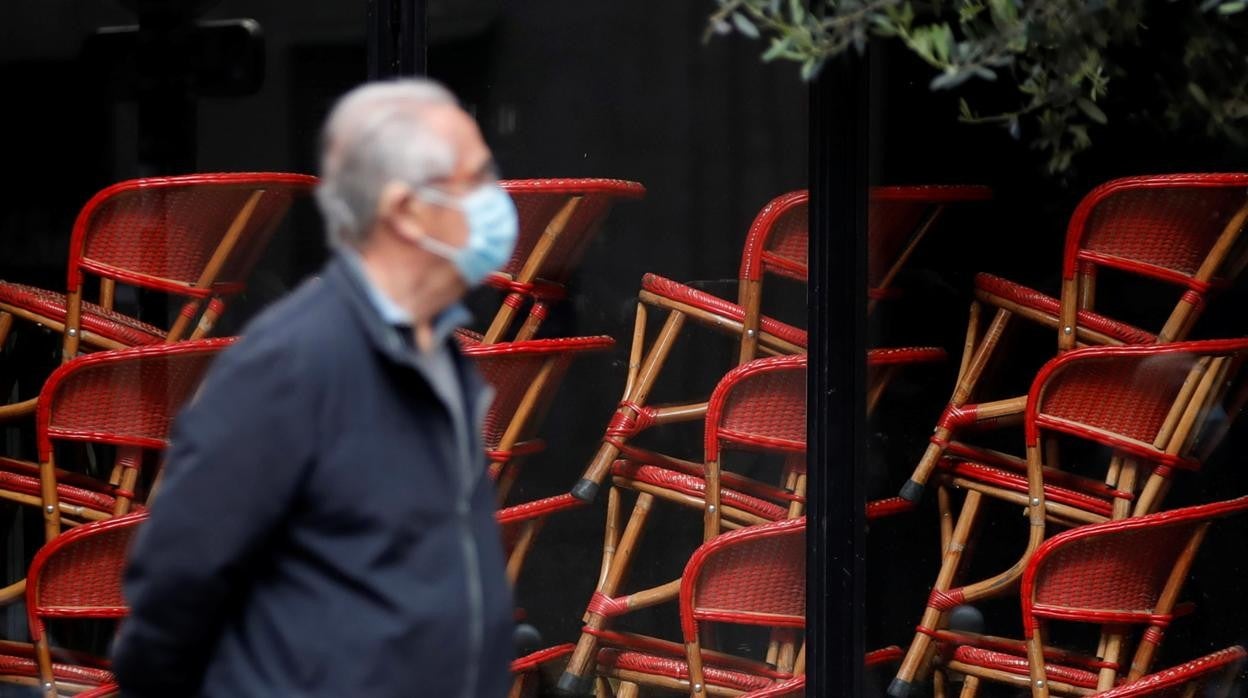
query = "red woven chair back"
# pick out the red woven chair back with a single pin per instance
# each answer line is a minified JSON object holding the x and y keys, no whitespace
{"x":79,"y":574}
{"x":126,"y":397}
{"x":896,"y":215}
{"x":1175,"y":682}
{"x":1158,"y":226}
{"x":1114,"y":573}
{"x":1123,"y":397}
{"x":778,"y":239}
{"x":759,"y":405}
{"x":539,"y":201}
{"x":752,"y":576}
{"x":512,"y":368}
{"x":161,"y":232}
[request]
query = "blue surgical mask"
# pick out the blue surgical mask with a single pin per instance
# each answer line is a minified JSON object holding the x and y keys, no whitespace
{"x":492,"y":228}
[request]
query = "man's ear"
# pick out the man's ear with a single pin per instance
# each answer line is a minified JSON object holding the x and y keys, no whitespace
{"x":400,"y":211}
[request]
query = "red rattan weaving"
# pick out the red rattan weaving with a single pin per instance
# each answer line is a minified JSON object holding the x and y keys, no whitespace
{"x":1182,"y":681}
{"x":1116,"y":575}
{"x":78,"y":575}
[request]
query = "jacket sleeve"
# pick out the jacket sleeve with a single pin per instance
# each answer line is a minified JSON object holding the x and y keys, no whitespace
{"x":237,"y":456}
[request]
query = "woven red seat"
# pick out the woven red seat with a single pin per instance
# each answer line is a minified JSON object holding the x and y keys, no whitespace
{"x":681,"y":293}
{"x":695,"y":486}
{"x":95,"y":319}
{"x":1031,"y":298}
{"x":671,"y":667}
{"x":1001,"y":661}
{"x":1080,"y":497}
{"x":26,"y":667}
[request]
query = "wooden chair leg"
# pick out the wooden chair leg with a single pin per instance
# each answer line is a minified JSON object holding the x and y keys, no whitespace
{"x":912,"y":666}
{"x":6,"y":324}
{"x":968,"y":378}
{"x":970,"y":687}
{"x":577,"y":675}
{"x":638,"y":390}
{"x":628,"y":689}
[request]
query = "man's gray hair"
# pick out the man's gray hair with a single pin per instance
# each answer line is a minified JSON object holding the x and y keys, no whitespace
{"x":376,"y":134}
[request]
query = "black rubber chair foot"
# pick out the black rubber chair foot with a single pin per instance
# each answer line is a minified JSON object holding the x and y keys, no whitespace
{"x":899,"y":688}
{"x":572,"y":685}
{"x":911,"y":492}
{"x":585,"y":490}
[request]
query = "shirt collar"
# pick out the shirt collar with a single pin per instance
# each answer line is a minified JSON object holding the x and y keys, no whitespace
{"x":444,"y":323}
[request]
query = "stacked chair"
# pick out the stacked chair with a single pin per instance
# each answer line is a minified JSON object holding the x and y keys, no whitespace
{"x":194,"y":238}
{"x":103,"y":416}
{"x":1113,"y":416}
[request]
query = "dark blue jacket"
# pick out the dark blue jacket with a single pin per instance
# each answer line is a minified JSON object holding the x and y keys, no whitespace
{"x":318,"y":532}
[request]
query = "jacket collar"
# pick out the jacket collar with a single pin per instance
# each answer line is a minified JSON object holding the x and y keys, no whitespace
{"x":386,"y":340}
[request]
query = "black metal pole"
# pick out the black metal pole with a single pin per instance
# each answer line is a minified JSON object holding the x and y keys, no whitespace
{"x":836,"y":432}
{"x":397,"y":38}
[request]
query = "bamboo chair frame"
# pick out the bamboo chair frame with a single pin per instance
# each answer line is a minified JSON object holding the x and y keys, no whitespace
{"x":194,"y":237}
{"x":525,"y":376}
{"x":1196,"y":259}
{"x":776,"y":245}
{"x":558,"y":219}
{"x":90,"y":561}
{"x":124,"y":398}
{"x":1137,"y":475}
{"x":1184,"y":680}
{"x":1056,"y":586}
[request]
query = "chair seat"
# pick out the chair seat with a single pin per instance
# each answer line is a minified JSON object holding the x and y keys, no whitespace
{"x":695,"y":486}
{"x":1078,"y":496}
{"x":25,"y":667}
{"x":23,"y":478}
{"x":1031,"y":298}
{"x":95,"y":319}
{"x":1014,"y":664}
{"x":681,"y":293}
{"x":671,"y":667}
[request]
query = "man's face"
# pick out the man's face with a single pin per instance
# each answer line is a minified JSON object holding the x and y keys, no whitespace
{"x":474,"y":166}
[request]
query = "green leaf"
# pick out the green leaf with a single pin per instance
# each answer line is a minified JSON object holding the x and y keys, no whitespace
{"x":1094,"y":112}
{"x":744,"y":25}
{"x":797,"y":11}
{"x":778,"y":48}
{"x":964,"y":109}
{"x":1230,"y":8}
{"x":1198,"y":94}
{"x":811,"y":68}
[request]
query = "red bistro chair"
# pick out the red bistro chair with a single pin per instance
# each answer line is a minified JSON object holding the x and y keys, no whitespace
{"x":1186,"y":680}
{"x":1147,"y":405}
{"x":776,"y":246}
{"x":525,"y":376}
{"x":752,"y":576}
{"x":78,"y":575}
{"x":108,"y":690}
{"x":125,"y":398}
{"x":558,"y":219}
{"x":1177,"y":229}
{"x":194,"y":237}
{"x":1118,"y":574}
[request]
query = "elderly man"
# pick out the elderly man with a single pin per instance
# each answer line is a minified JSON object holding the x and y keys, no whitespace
{"x":325,"y":526}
